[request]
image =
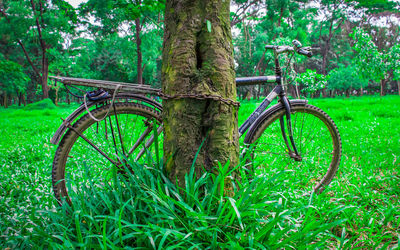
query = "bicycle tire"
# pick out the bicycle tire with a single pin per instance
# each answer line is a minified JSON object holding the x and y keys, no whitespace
{"x":118,"y":132}
{"x":320,"y":148}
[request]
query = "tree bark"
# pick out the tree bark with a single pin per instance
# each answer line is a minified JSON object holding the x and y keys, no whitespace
{"x":68,"y":99}
{"x":198,"y":60}
{"x":5,"y":100}
{"x":398,"y":86}
{"x":19,"y":96}
{"x":23,"y":99}
{"x":43,"y":46}
{"x":383,"y":87}
{"x":138,"y":28}
{"x":45,"y":74}
{"x":56,"y":99}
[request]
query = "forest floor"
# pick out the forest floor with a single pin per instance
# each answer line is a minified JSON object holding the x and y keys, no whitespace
{"x":365,"y":195}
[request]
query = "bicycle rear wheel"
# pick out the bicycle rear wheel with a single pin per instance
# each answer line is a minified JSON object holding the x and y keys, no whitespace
{"x":317,"y":139}
{"x":91,"y":153}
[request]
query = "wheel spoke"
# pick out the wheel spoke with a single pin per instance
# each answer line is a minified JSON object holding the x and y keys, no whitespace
{"x":313,"y":134}
{"x":95,"y":147}
{"x":119,"y":130}
{"x":80,"y":159}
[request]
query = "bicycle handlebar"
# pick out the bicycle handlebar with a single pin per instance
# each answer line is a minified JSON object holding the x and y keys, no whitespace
{"x":306,"y":51}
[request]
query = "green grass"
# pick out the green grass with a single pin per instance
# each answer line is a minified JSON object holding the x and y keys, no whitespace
{"x":360,"y":209}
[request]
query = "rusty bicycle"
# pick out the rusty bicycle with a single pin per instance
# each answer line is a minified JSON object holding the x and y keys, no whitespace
{"x":123,"y":124}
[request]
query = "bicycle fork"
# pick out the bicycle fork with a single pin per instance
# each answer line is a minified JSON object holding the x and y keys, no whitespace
{"x":292,"y":153}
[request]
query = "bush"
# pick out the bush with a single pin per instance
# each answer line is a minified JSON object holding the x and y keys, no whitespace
{"x":43,"y":104}
{"x":345,"y":78}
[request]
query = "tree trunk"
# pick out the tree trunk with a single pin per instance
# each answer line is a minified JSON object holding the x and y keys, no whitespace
{"x":56,"y":99}
{"x":383,"y":87}
{"x":398,"y":86}
{"x":19,"y":95}
{"x":45,"y":74}
{"x":197,"y":59}
{"x":139,"y":51}
{"x":5,"y":100}
{"x":23,"y":99}
{"x":324,"y":92}
{"x":68,"y":99}
{"x":292,"y":90}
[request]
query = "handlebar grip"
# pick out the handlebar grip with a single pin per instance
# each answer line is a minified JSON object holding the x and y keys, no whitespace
{"x":307,"y":53}
{"x":297,"y":44}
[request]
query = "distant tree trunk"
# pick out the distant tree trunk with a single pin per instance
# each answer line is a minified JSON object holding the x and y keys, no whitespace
{"x":398,"y":86}
{"x":383,"y":87}
{"x":45,"y":74}
{"x":324,"y":92}
{"x":68,"y":99}
{"x":197,"y":59}
{"x":5,"y":100}
{"x":138,"y":28}
{"x":23,"y":99}
{"x":19,"y":96}
{"x":347,"y":92}
{"x":292,"y":90}
{"x":258,"y":92}
{"x":56,"y":99}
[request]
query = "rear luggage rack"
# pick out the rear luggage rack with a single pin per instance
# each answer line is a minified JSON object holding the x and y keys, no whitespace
{"x":110,"y":85}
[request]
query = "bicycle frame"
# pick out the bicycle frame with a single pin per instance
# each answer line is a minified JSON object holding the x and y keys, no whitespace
{"x":279,"y":92}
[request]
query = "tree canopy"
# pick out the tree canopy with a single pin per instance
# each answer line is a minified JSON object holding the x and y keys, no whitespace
{"x":122,"y":40}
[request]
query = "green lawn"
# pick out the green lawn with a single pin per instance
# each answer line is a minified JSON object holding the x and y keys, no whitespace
{"x":360,"y":209}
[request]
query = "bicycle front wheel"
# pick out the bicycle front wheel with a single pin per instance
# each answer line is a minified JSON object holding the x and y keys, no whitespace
{"x":316,"y":138}
{"x":91,"y":153}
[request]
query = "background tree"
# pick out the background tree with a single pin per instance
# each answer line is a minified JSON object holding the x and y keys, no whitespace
{"x":12,"y":81}
{"x":395,"y":59}
{"x":122,"y":40}
{"x":132,"y":17}
{"x":197,"y":59}
{"x":37,"y":26}
{"x":346,"y":79}
{"x":374,"y":64}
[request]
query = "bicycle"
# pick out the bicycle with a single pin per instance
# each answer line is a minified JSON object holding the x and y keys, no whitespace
{"x":291,"y":132}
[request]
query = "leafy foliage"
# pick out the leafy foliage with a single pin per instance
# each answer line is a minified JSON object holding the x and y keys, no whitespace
{"x":394,"y":58}
{"x":311,"y":81}
{"x":99,"y":39}
{"x":369,"y":60}
{"x":345,"y":78}
{"x":12,"y":78}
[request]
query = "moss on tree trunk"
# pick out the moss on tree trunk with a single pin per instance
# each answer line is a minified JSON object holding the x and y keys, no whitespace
{"x":197,"y":58}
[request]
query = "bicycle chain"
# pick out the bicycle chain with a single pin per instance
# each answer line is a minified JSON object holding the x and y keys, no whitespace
{"x":219,"y":98}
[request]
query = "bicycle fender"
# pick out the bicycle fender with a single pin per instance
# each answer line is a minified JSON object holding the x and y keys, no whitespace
{"x":264,"y":115}
{"x":81,"y":110}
